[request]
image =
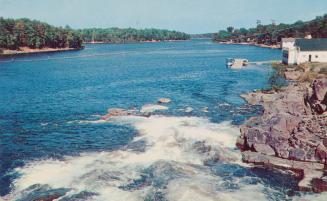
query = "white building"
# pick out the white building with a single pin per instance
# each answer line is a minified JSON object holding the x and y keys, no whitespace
{"x":287,"y":43}
{"x":298,"y":51}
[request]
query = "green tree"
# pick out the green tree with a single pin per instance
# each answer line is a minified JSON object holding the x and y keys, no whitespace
{"x":35,"y":34}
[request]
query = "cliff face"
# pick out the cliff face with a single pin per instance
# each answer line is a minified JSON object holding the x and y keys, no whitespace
{"x":292,"y":131}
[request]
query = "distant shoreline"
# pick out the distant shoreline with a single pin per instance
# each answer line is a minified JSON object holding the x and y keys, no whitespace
{"x":26,"y":50}
{"x":252,"y":44}
{"x":129,"y":42}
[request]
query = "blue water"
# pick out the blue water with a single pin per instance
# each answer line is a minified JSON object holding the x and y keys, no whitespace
{"x":45,"y":97}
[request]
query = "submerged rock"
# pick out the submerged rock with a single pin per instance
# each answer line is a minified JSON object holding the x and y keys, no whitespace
{"x":145,"y":111}
{"x":116,"y":112}
{"x":164,"y":100}
{"x":149,"y":108}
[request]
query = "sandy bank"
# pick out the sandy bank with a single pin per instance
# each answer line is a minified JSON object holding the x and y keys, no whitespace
{"x":27,"y":50}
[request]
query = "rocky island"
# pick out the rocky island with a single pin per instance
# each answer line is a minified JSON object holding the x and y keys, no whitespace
{"x":292,"y":131}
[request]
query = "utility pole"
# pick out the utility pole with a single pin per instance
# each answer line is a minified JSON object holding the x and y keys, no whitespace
{"x":258,"y":28}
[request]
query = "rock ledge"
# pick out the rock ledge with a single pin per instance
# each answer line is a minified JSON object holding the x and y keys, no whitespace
{"x":292,"y":131}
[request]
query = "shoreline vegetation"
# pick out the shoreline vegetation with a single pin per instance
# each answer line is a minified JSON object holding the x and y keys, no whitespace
{"x":270,"y":35}
{"x":291,"y":133}
{"x":129,"y":35}
{"x":30,"y":36}
{"x":25,"y":36}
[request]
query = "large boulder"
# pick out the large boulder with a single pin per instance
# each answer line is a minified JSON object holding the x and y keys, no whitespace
{"x":317,"y":97}
{"x":297,"y":154}
{"x":321,"y":152}
{"x":241,"y":143}
{"x":325,"y":142}
{"x":320,"y":108}
{"x":255,"y":136}
{"x":284,"y":123}
{"x":264,"y":149}
{"x":164,"y":100}
{"x":319,"y":87}
{"x":282,"y":149}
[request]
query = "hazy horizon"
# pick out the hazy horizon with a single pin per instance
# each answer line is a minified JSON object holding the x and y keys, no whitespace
{"x":192,"y":16}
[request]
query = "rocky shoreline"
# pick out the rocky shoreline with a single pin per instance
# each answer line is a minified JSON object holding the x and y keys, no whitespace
{"x":26,"y":50}
{"x":292,"y":131}
{"x":252,"y":44}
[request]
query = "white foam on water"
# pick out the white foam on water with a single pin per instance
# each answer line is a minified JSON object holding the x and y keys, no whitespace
{"x":184,"y":142}
{"x":99,"y":121}
{"x":148,"y":108}
{"x":96,"y":115}
{"x":205,"y":109}
{"x":115,"y":194}
{"x":188,"y":109}
{"x":208,"y":189}
{"x":312,"y":197}
{"x":223,"y":104}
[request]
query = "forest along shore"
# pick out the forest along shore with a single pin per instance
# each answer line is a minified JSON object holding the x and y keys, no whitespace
{"x":292,"y":131}
{"x":25,"y":36}
{"x":270,"y":35}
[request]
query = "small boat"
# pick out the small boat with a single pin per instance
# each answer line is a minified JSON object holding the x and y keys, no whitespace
{"x":236,"y":63}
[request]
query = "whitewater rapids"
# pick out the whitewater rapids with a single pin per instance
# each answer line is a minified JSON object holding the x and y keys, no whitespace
{"x":167,"y":160}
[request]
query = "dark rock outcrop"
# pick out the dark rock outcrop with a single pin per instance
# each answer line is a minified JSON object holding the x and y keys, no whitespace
{"x":292,"y":131}
{"x":317,"y":97}
{"x":308,"y":171}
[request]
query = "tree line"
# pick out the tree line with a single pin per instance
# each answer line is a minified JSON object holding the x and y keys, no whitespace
{"x":203,"y":35}
{"x":273,"y":33}
{"x":36,"y":34}
{"x":118,"y":35}
{"x":16,"y":33}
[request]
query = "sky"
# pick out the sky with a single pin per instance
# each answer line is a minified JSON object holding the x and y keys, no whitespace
{"x":191,"y":16}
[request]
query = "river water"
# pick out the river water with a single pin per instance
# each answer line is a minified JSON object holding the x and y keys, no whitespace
{"x":53,"y":144}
